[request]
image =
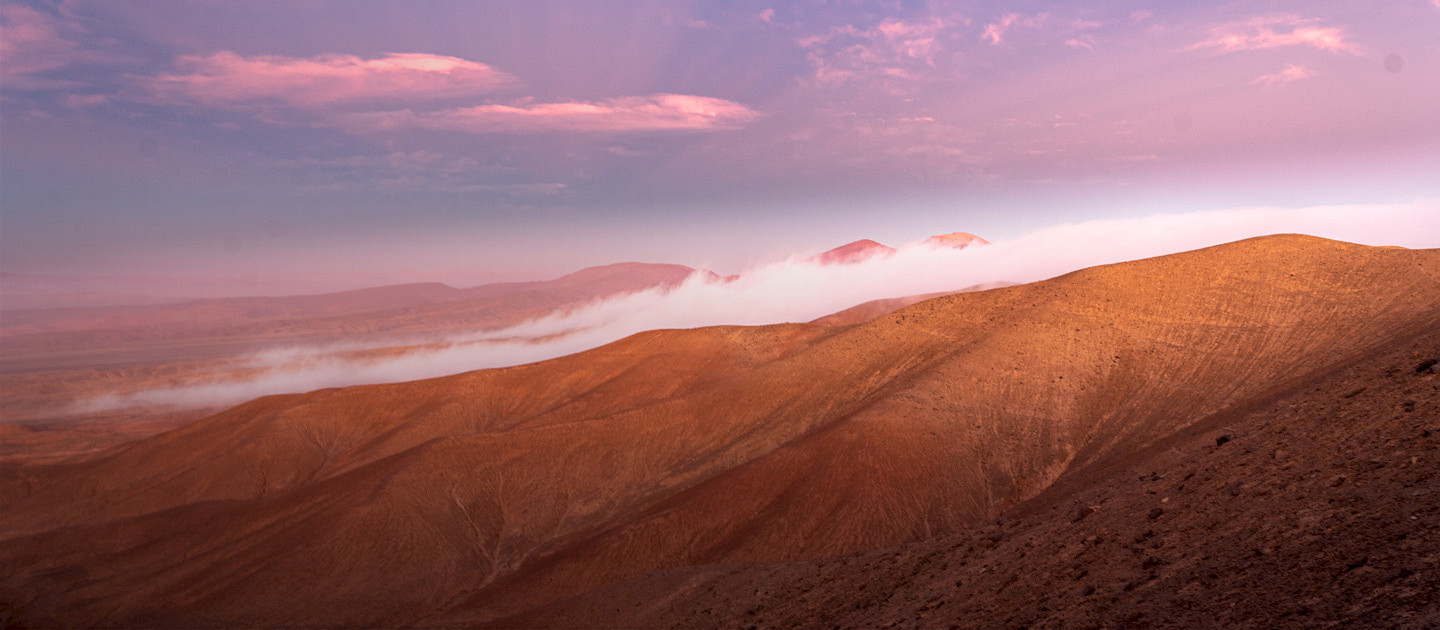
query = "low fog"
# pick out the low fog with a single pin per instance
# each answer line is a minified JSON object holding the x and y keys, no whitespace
{"x":798,"y":290}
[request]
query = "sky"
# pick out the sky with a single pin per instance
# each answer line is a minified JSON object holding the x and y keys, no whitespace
{"x":462,"y":141}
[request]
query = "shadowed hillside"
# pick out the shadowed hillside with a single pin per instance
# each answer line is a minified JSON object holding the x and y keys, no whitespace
{"x":489,"y":493}
{"x":1317,"y":507}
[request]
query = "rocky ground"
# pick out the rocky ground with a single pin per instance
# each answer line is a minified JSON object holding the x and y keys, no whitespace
{"x":1318,"y":508}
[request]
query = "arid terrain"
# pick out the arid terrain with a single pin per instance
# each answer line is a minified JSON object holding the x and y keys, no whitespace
{"x":69,"y":375}
{"x":1240,"y":435}
{"x":1313,"y":507}
{"x":57,"y":360}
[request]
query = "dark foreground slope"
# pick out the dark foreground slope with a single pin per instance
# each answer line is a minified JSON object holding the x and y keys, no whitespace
{"x":1314,"y":508}
{"x":487,"y":494}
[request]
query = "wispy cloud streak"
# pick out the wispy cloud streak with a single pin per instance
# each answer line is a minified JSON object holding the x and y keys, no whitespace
{"x":1290,"y":74}
{"x":1277,"y":31}
{"x":229,"y":79}
{"x":655,"y":112}
{"x":995,"y":31}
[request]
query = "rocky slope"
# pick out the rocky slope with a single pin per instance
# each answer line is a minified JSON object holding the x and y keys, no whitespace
{"x":1317,"y":507}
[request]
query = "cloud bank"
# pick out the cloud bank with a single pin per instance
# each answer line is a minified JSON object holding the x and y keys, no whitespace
{"x":801,"y":289}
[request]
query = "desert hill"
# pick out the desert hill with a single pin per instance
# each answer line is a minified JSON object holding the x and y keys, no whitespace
{"x":1315,"y":507}
{"x":472,"y":497}
{"x":866,"y":311}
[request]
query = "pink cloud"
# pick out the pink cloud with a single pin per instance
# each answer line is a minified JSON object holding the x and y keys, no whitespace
{"x":79,"y":101}
{"x":32,"y":42}
{"x":1085,"y":41}
{"x":1291,"y":73}
{"x":1275,"y":31}
{"x":768,"y":15}
{"x":995,"y":32}
{"x":226,"y":78}
{"x":893,"y":48}
{"x":655,"y":112}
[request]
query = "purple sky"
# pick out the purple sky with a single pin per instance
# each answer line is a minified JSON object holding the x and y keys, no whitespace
{"x":452,"y":140}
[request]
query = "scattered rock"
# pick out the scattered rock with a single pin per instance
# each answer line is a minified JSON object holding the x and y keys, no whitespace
{"x":1220,"y":441}
{"x":1354,"y":393}
{"x":1369,"y":465}
{"x":1395,"y":575}
{"x":1156,"y":513}
{"x":1428,"y":365}
{"x":1080,"y":515}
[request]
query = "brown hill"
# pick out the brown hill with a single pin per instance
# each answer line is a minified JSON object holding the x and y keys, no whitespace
{"x":866,"y":311}
{"x":1318,"y":507}
{"x":486,"y":494}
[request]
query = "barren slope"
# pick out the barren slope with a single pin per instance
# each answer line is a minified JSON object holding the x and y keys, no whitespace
{"x":866,"y":311}
{"x":489,"y":493}
{"x":1318,"y":507}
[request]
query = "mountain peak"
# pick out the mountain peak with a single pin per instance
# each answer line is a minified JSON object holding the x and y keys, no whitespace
{"x":853,"y":252}
{"x":957,"y":240}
